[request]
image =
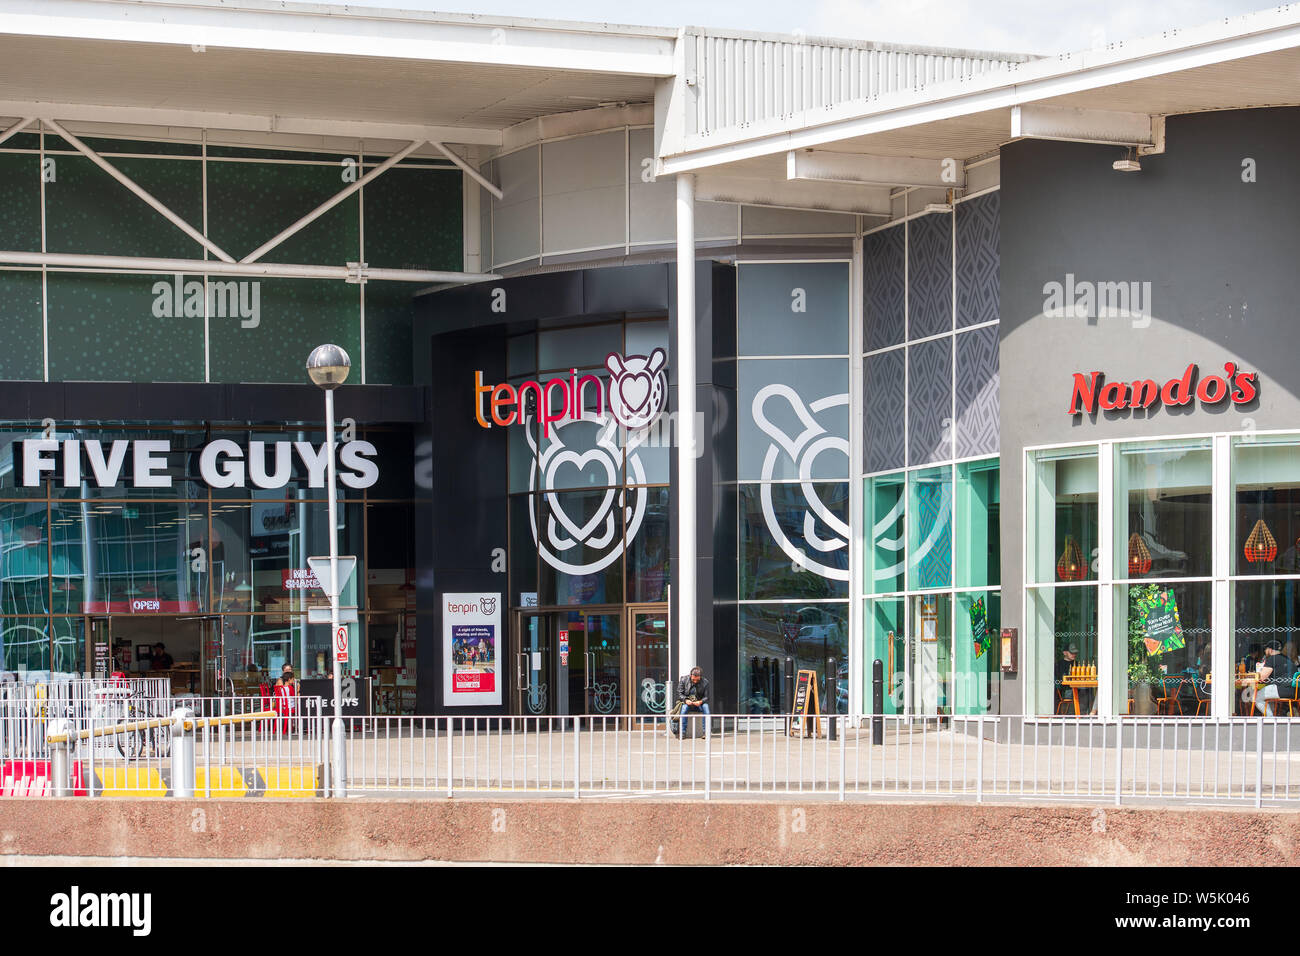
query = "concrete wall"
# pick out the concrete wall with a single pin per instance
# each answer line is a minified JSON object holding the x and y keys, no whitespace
{"x":552,"y":831}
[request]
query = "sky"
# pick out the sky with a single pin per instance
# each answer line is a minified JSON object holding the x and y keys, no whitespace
{"x":1016,"y":26}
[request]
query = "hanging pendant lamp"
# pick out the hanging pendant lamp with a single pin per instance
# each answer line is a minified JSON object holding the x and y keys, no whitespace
{"x":1261,"y":545}
{"x":1139,"y":555}
{"x":1071,"y":566}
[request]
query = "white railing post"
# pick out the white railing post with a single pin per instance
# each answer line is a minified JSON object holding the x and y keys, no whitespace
{"x":708,"y":759}
{"x":1119,"y":759}
{"x":449,"y":758}
{"x":844,"y":730}
{"x":979,"y":764}
{"x":1259,"y":763}
{"x":577,"y":752}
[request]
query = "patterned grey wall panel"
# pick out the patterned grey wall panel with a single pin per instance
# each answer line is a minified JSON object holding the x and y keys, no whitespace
{"x":929,"y":404}
{"x":977,"y":392}
{"x":884,"y":274}
{"x":978,"y":223}
{"x":929,"y":276}
{"x":882,"y":421}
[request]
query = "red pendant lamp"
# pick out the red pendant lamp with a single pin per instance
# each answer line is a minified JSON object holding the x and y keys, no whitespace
{"x":1261,"y":546}
{"x":1071,"y":566}
{"x":1139,"y":556}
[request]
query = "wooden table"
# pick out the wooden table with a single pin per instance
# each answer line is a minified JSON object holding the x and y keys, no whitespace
{"x":1074,"y":683}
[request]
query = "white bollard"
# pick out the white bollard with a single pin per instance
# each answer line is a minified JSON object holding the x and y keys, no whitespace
{"x":183,"y":763}
{"x":59,"y":756}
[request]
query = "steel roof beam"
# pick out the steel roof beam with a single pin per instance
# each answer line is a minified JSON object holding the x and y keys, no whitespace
{"x":823,"y":166}
{"x":253,"y":122}
{"x":18,"y":127}
{"x":825,"y":197}
{"x":1035,"y":121}
{"x":157,"y":205}
{"x":330,"y":203}
{"x":385,"y":34}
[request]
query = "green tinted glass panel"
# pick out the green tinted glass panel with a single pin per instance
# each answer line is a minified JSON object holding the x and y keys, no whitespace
{"x":294,"y":316}
{"x":119,"y":328}
{"x":413,"y":220}
{"x":249,"y":203}
{"x":20,"y":317}
{"x":20,"y":201}
{"x":86,"y":211}
{"x":152,"y":148}
{"x":390,"y":307}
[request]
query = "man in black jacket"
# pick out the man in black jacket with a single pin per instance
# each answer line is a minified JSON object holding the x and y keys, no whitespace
{"x":693,"y":691}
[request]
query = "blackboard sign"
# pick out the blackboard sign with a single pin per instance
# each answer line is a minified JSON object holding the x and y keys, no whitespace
{"x":806,"y":706}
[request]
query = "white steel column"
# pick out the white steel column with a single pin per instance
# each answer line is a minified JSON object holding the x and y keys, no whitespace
{"x":1223,"y":687}
{"x":687,"y":450}
{"x":857,"y":538}
{"x":1106,"y":656}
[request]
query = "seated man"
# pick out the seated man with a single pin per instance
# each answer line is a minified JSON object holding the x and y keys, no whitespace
{"x":693,"y":691}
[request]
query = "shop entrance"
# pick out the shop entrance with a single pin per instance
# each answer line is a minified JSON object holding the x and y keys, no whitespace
{"x":591,"y":661}
{"x":189,"y":655}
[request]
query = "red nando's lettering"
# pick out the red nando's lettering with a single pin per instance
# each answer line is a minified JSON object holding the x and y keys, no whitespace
{"x":1092,"y":391}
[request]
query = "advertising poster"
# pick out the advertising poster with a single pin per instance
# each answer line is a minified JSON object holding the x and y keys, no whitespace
{"x":1162,"y":631}
{"x":471,"y":645}
{"x":979,"y":629}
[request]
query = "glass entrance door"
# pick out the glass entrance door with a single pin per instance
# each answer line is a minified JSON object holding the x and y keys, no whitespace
{"x":648,"y":627}
{"x":930,"y":663}
{"x":534,"y":664}
{"x":569,"y":662}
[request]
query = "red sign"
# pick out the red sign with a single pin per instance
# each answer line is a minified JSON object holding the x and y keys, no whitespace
{"x":140,"y":606}
{"x":473,"y":681}
{"x":1092,"y":391}
{"x":31,"y":778}
{"x":298,"y":579}
{"x":341,"y":644}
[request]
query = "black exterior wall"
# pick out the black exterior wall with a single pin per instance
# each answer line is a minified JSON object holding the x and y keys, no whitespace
{"x":461,"y":515}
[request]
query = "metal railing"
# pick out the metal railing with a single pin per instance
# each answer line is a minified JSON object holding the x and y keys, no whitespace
{"x":975,"y":758}
{"x":221,"y":746}
{"x":239,"y":747}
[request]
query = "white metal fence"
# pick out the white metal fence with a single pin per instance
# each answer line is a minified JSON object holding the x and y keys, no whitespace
{"x":242,"y":747}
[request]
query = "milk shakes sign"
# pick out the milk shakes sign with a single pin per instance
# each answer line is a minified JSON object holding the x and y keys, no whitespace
{"x":222,"y":463}
{"x":471,"y":640}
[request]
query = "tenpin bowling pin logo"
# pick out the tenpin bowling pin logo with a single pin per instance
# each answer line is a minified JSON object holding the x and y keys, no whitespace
{"x":487,"y":606}
{"x":638,"y":387}
{"x":825,"y":535}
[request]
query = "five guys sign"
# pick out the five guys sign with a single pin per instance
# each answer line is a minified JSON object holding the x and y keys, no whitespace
{"x":1092,"y":391}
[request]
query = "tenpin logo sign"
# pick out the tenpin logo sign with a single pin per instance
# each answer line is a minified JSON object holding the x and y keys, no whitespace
{"x":638,"y":387}
{"x":487,"y":605}
{"x":824,"y":532}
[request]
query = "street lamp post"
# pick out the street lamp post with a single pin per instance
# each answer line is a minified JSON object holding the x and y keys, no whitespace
{"x":328,"y":367}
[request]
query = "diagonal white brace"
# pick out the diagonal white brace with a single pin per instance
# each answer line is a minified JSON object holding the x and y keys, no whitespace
{"x":16,"y":128}
{"x":333,"y":201}
{"x":130,"y":184}
{"x":471,"y":172}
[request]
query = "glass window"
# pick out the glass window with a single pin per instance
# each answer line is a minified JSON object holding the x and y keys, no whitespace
{"x":794,"y":540}
{"x":809,"y":634}
{"x":647,"y":549}
{"x":582,"y":347}
{"x":25,"y":648}
{"x":797,"y":308}
{"x":794,"y":419}
{"x":580,"y":534}
{"x":1061,"y":633}
{"x":885,"y":510}
{"x":1162,"y":649}
{"x":1061,"y":523}
{"x":1163,"y":520}
{"x":1266,"y":506}
{"x":929,"y":505}
{"x":885,"y":642}
{"x":979,"y":531}
{"x":1266,"y":634}
{"x":975,"y":651}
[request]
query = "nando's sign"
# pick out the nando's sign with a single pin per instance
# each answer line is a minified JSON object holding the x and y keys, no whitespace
{"x":1092,"y":392}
